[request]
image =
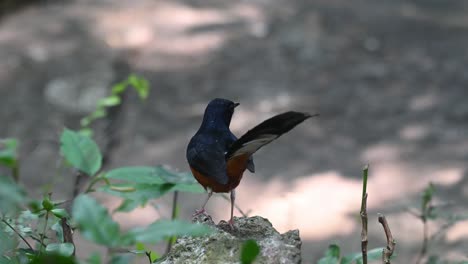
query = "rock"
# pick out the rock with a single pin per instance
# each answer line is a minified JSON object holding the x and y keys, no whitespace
{"x":225,"y":244}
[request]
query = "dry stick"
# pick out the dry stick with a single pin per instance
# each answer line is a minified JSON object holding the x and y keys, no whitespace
{"x":18,"y":233}
{"x":424,"y":246}
{"x":423,"y":251}
{"x":363,"y":214}
{"x":388,"y":251}
{"x":148,"y":254}
{"x":67,"y":230}
{"x":173,"y":217}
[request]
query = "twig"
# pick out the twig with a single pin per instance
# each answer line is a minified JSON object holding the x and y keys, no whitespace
{"x":236,"y":206}
{"x":148,"y":254}
{"x":44,"y":231}
{"x":423,"y":251}
{"x":67,"y":233}
{"x":363,"y":214}
{"x":173,"y":217}
{"x":388,"y":251}
{"x":79,"y":176}
{"x":18,"y":233}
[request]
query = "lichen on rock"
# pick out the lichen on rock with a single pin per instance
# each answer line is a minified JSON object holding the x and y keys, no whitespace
{"x":224,"y":245}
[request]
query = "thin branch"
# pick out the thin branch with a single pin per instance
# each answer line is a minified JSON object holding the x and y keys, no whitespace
{"x":148,"y":254}
{"x":423,"y":251}
{"x":44,"y":231}
{"x":388,"y":251}
{"x":67,"y":233}
{"x":79,"y":176}
{"x":18,"y":233}
{"x":173,"y":217}
{"x":364,"y":239}
{"x":363,"y":213}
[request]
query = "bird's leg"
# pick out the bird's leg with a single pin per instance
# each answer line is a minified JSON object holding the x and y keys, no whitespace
{"x":202,"y":209}
{"x":233,"y":198}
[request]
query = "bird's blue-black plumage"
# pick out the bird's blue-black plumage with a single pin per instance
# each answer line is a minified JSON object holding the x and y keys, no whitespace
{"x":207,"y":149}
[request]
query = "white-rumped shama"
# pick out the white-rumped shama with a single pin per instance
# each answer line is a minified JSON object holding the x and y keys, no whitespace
{"x":218,"y":159}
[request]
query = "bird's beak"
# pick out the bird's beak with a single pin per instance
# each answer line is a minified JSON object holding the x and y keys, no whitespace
{"x":236,"y":105}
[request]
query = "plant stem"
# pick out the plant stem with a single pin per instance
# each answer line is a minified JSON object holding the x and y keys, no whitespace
{"x":363,"y":213}
{"x":388,"y":251}
{"x":43,"y":232}
{"x":92,"y":183}
{"x":18,"y":233}
{"x":173,"y":217}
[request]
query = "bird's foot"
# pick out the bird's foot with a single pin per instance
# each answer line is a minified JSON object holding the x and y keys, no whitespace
{"x":231,"y":223}
{"x":199,"y":212}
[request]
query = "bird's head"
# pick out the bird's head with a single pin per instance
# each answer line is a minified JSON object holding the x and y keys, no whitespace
{"x":219,"y":111}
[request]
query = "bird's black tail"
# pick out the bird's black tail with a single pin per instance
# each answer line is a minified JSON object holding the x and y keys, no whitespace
{"x":266,"y":132}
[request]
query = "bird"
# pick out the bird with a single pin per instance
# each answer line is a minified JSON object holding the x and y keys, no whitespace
{"x":218,"y":159}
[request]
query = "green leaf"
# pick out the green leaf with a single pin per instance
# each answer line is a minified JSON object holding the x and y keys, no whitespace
{"x":144,"y":175}
{"x":140,"y":84}
{"x":64,"y":249}
{"x":154,"y":256}
{"x":121,"y":259}
{"x":193,"y":188}
{"x":109,"y":101}
{"x":81,"y":152}
{"x":94,"y":222}
{"x":119,"y":87}
{"x":140,"y":193}
{"x":87,"y":132}
{"x":332,"y":255}
{"x":163,"y":229}
{"x":427,"y":195}
{"x":95,"y":258}
{"x":59,"y":212}
{"x":174,"y":177}
{"x":9,"y":241}
{"x":373,"y":254}
{"x":8,"y":156}
{"x":128,"y":205}
{"x":47,"y":204}
{"x":11,"y":195}
{"x":53,"y":258}
{"x":249,"y":252}
{"x":57,"y":227}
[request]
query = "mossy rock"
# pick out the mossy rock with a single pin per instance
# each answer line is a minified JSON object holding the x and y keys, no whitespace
{"x":225,"y":244}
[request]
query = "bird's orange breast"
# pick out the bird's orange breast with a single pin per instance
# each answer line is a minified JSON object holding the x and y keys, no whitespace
{"x":235,"y":168}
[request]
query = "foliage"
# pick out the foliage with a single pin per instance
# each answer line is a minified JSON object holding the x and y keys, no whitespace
{"x":24,"y":219}
{"x":141,"y":184}
{"x":249,"y":251}
{"x":139,"y":84}
{"x":9,"y":156}
{"x":81,"y":152}
{"x":333,"y":256}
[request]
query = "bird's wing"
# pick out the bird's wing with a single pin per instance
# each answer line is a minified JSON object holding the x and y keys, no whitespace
{"x":265,"y":132}
{"x":250,"y":163}
{"x":209,"y":161}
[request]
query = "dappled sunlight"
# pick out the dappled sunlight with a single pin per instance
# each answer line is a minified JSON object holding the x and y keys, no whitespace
{"x":167,"y":28}
{"x":423,"y":102}
{"x":458,"y":232}
{"x":414,"y":132}
{"x":324,"y":205}
{"x":318,"y":205}
{"x":398,"y":180}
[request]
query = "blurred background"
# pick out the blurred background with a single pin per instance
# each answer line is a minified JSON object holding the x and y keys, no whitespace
{"x":388,"y":78}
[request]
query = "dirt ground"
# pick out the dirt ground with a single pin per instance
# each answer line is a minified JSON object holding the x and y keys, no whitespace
{"x":388,"y":78}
